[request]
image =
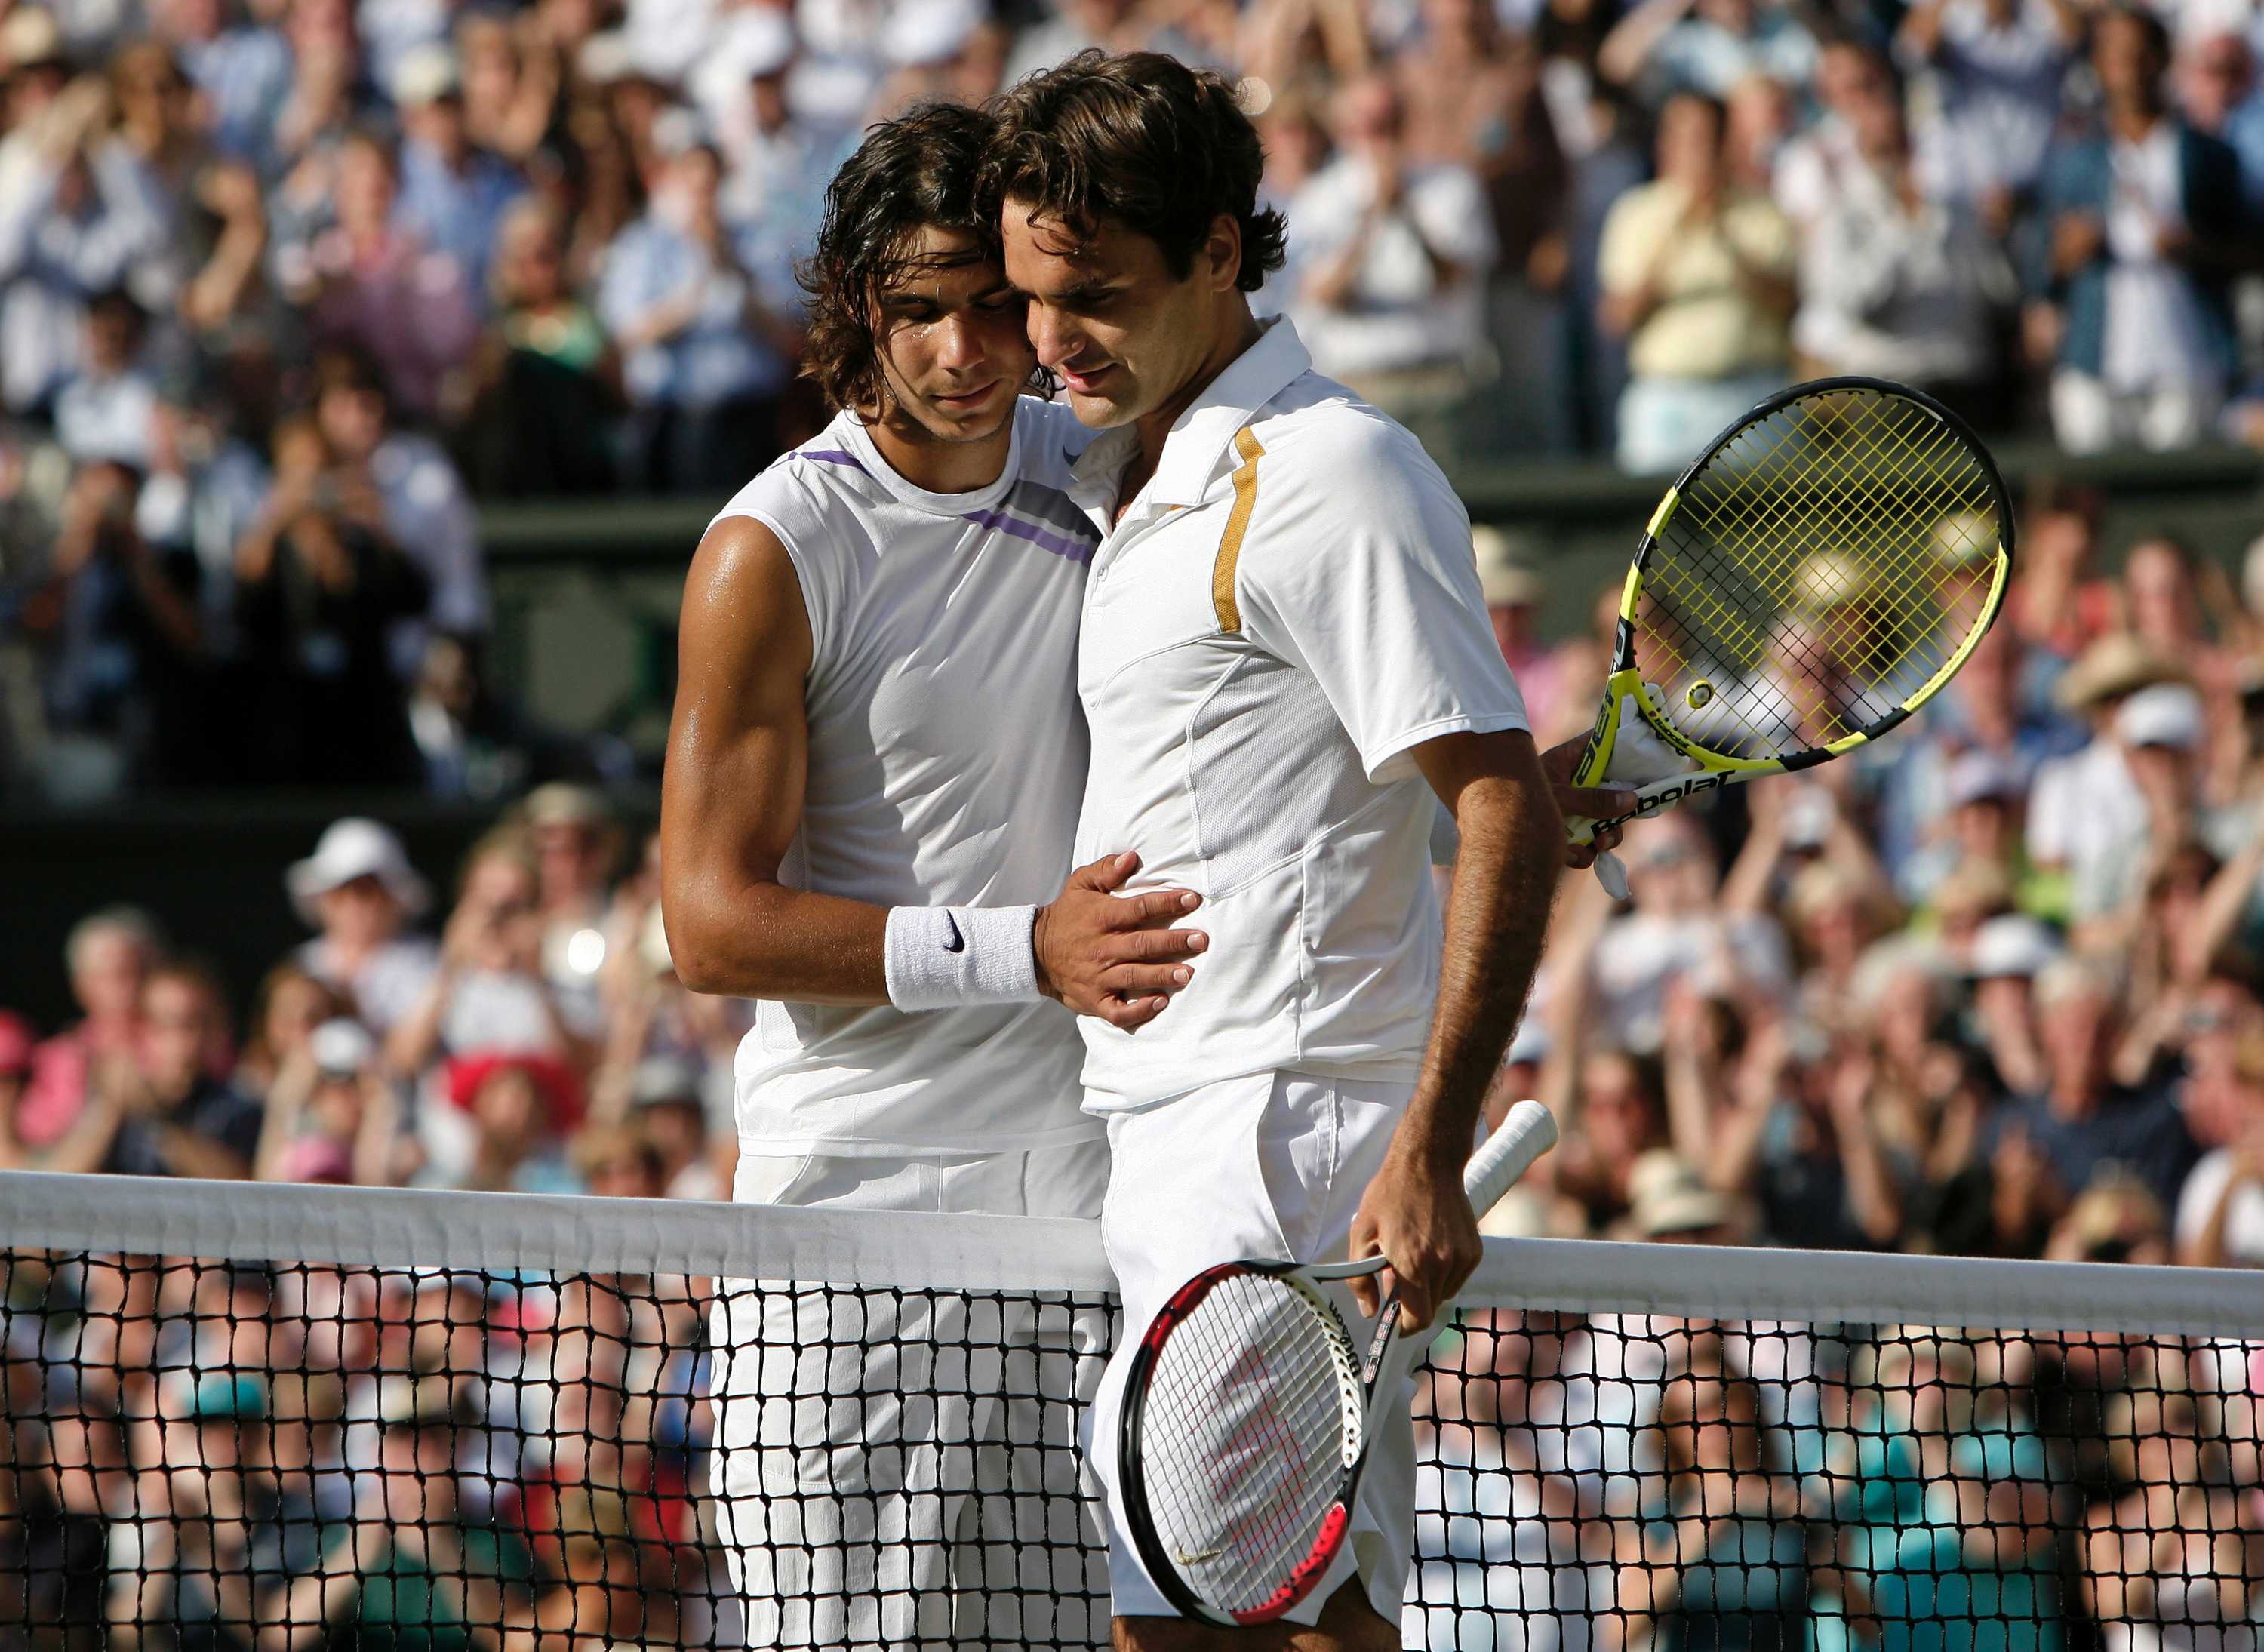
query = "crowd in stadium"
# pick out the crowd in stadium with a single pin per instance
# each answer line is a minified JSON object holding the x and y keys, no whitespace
{"x":286,"y":285}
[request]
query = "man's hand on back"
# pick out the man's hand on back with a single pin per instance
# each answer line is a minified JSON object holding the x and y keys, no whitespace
{"x":1416,"y":1214}
{"x":1114,"y":956}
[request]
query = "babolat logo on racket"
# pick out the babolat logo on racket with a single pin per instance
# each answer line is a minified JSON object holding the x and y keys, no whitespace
{"x":1675,"y":794}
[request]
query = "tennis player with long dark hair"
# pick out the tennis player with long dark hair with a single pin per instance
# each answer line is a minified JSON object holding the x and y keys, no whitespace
{"x":873,"y":783}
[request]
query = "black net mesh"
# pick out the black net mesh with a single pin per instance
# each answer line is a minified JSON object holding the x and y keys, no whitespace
{"x":282,"y":1454}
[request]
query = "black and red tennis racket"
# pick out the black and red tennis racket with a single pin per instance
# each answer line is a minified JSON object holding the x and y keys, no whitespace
{"x":1248,"y":1411}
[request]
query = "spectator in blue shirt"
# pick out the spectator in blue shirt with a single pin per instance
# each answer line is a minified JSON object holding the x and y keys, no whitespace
{"x":452,"y":195}
{"x":243,"y":69}
{"x":704,"y":354}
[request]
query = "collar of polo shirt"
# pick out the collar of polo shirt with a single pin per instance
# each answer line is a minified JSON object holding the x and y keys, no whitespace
{"x":1202,"y":434}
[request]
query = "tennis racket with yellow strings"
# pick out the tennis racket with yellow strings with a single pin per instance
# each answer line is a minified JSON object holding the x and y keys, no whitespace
{"x":1819,"y":573}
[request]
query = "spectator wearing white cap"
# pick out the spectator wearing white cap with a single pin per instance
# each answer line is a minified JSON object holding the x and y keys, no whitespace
{"x":2007,"y":953}
{"x":2159,"y":732}
{"x":453,"y":195}
{"x":1981,"y":800}
{"x":359,"y":890}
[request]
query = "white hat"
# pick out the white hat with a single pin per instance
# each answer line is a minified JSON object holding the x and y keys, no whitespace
{"x":2166,"y":715}
{"x":2011,"y":945}
{"x":354,"y":848}
{"x":928,"y":33}
{"x":342,"y":1045}
{"x":1667,"y":1195}
{"x":426,"y":74}
{"x":758,"y":42}
{"x":1978,"y":777}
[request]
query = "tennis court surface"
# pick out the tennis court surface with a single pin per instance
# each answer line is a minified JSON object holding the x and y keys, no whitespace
{"x":280,"y":1417}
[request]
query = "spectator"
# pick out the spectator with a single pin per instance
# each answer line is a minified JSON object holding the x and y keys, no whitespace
{"x":2147,"y":226}
{"x":1698,"y":278}
{"x":1996,"y":68}
{"x":409,"y":1562}
{"x":668,"y":1110}
{"x":2081,"y":1118}
{"x":331,"y":1115}
{"x":2087,"y":811}
{"x":490,"y":993}
{"x":549,"y":378}
{"x":453,"y":195}
{"x":108,"y":955}
{"x":1802,"y":1144}
{"x":289,"y":1004}
{"x":705,"y":354}
{"x":1819,"y":162}
{"x":424,"y":505}
{"x":2220,"y":1209}
{"x":242,"y":69}
{"x":165,"y":1114}
{"x":1512,"y":588}
{"x":1894,"y":284}
{"x":370,"y":284}
{"x":359,"y":890}
{"x":1708,"y":1566}
{"x":518,"y":1113}
{"x":106,"y":410}
{"x":2215,"y":78}
{"x":1392,"y":299}
{"x":78,"y":1483}
{"x":125,"y":648}
{"x":1706,"y":47}
{"x":321,"y":588}
{"x":578,"y":845}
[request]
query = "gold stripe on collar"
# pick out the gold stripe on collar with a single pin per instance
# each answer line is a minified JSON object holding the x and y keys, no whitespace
{"x":1237,"y":524}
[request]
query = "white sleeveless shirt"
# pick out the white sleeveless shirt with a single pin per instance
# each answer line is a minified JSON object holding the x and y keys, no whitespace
{"x":947,"y":761}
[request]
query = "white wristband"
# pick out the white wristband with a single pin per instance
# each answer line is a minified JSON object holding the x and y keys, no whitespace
{"x":944,"y":957}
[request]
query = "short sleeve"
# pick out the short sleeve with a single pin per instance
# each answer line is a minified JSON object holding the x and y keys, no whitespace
{"x":1357,"y":568}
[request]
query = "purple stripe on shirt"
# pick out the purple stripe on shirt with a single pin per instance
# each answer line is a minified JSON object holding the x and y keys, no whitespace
{"x":1074,"y":550}
{"x":829,"y":455}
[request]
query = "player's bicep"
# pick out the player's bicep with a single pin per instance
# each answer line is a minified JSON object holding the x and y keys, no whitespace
{"x":731,"y":795}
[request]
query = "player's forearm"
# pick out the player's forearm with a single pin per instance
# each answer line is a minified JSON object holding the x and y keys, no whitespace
{"x":1504,"y":881}
{"x":764,"y":940}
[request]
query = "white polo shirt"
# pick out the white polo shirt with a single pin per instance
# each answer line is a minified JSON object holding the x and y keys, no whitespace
{"x":1287,"y":608}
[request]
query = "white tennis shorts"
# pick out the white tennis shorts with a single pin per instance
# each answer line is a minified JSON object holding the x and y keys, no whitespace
{"x":1273,"y":1165}
{"x":896,"y":1470}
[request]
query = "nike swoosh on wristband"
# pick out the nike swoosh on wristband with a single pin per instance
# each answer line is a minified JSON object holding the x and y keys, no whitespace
{"x":958,"y":942}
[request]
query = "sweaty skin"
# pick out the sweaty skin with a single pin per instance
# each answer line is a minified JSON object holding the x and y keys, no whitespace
{"x":954,"y":357}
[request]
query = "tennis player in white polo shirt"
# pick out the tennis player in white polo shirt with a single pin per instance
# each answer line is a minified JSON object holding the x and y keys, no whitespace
{"x":1285,"y":658}
{"x":872,"y":782}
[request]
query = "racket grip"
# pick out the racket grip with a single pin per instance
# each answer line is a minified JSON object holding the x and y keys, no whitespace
{"x":1528,"y":1132}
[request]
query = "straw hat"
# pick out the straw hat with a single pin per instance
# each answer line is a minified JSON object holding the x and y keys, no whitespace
{"x":2118,"y":663}
{"x":1666,"y":1195}
{"x":1504,"y":567}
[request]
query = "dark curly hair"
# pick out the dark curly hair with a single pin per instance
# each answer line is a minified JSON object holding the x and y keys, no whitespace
{"x":910,"y":172}
{"x":1139,"y":138}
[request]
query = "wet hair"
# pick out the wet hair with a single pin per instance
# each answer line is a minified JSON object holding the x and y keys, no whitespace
{"x":911,"y":173}
{"x":1141,"y":140}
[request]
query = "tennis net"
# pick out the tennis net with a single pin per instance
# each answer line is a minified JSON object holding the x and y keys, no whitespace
{"x":280,"y":1419}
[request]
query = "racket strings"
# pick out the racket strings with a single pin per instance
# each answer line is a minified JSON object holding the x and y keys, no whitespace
{"x":1821,"y":569}
{"x":1243,"y":1437}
